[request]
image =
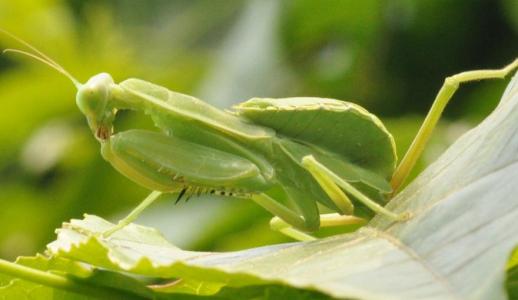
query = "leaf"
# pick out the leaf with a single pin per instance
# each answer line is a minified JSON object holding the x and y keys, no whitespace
{"x":455,"y":247}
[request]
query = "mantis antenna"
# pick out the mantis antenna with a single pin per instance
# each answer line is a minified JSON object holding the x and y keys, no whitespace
{"x":40,"y":56}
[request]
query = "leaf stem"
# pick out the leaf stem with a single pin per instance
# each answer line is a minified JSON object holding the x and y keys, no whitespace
{"x":61,"y":282}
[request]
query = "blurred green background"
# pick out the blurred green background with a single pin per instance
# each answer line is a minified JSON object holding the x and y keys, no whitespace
{"x":389,"y":56}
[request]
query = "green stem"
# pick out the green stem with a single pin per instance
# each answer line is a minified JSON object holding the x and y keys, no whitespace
{"x":61,"y":282}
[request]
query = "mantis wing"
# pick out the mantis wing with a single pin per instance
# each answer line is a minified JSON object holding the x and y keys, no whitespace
{"x":342,"y":128}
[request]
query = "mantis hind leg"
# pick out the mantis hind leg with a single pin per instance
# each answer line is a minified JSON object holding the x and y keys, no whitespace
{"x":333,"y":181}
{"x":451,"y":84}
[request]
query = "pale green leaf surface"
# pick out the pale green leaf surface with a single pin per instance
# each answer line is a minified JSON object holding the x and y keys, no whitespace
{"x":455,"y":247}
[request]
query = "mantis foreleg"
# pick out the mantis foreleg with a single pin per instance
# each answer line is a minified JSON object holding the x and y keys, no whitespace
{"x":451,"y":84}
{"x":169,"y":164}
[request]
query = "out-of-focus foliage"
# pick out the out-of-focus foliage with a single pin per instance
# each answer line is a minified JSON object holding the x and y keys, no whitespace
{"x":389,"y":56}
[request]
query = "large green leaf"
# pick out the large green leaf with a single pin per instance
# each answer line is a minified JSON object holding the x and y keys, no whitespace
{"x":455,"y":247}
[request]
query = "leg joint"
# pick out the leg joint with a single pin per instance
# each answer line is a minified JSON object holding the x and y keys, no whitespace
{"x":451,"y":81}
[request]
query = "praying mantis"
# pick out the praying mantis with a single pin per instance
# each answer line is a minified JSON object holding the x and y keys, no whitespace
{"x":292,"y":156}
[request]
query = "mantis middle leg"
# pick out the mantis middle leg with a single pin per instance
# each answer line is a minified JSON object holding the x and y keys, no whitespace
{"x":333,"y":181}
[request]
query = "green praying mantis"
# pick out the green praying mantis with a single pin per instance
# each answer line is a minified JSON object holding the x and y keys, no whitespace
{"x":292,"y":156}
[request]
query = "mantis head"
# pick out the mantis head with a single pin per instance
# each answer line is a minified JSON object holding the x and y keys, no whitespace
{"x":92,"y":99}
